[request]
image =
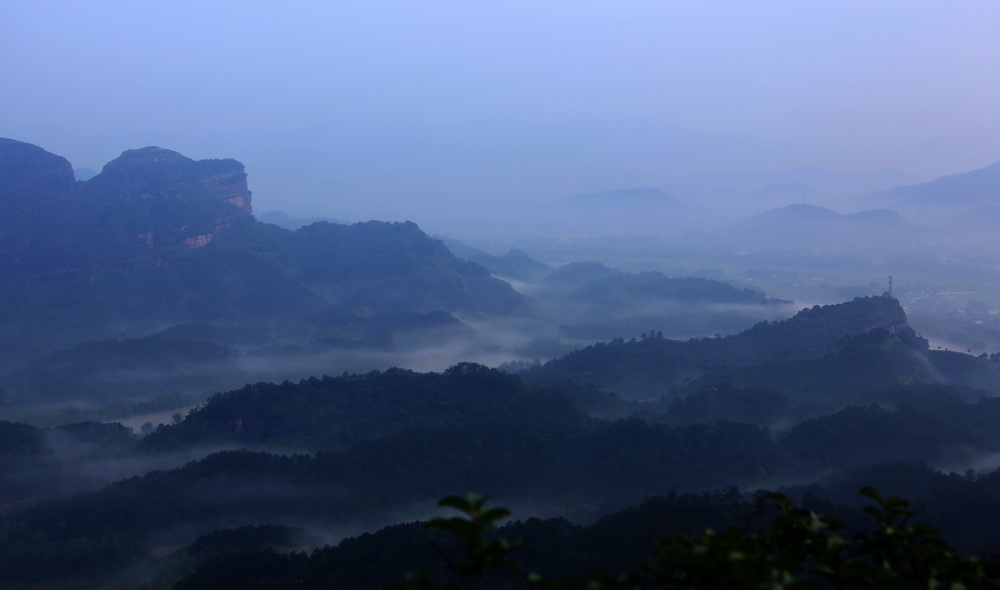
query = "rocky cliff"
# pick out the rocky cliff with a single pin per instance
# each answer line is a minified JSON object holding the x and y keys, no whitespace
{"x":147,"y":202}
{"x":160,"y":173}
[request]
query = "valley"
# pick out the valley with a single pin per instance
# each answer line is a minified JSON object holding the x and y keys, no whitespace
{"x":193,"y":387}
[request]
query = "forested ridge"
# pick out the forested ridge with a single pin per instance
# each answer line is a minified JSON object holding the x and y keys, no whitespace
{"x":368,"y":449}
{"x":615,"y":445}
{"x":778,"y":544}
{"x":684,"y":431}
{"x":652,"y":365}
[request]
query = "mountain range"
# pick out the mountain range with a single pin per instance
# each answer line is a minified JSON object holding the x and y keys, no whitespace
{"x":151,"y":284}
{"x":159,"y":255}
{"x":970,"y":189}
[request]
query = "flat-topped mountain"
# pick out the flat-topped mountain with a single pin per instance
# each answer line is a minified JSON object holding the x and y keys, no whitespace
{"x":158,"y":241}
{"x":147,"y":202}
{"x":162,"y":174}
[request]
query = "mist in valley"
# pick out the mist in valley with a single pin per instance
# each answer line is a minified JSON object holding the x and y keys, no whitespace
{"x":281,"y":277}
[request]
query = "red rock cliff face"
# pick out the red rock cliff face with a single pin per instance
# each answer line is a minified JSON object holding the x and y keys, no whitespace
{"x":147,"y":202}
{"x":231,"y":188}
{"x":157,"y":172}
{"x":176,"y":201}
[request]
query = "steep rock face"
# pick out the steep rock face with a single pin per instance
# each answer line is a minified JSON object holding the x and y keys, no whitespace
{"x":161,"y":173}
{"x":154,"y":200}
{"x":147,"y":202}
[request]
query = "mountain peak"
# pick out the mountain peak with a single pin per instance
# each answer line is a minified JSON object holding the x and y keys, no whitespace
{"x":154,"y":170}
{"x":147,"y":156}
{"x":27,"y":170}
{"x":142,"y":202}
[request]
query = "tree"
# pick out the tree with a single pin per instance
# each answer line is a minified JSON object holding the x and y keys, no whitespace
{"x":801,"y":550}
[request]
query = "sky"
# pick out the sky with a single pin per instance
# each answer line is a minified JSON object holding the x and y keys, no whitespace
{"x":425,"y":110}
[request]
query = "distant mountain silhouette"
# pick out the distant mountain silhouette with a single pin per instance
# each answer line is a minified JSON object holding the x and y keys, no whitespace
{"x":282,"y":219}
{"x":809,"y":227}
{"x":971,"y":189}
{"x":883,"y":217}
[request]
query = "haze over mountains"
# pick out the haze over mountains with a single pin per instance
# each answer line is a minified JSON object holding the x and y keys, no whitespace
{"x":568,"y":375}
{"x":378,"y":444}
{"x":277,"y":277}
{"x":161,"y":253}
{"x":977,"y":188}
{"x":161,"y":246}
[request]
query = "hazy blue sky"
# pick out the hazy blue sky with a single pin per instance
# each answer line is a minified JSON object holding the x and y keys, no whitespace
{"x":383,"y":109}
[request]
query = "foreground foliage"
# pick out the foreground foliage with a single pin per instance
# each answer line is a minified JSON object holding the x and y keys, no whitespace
{"x":801,"y":550}
{"x":798,"y":550}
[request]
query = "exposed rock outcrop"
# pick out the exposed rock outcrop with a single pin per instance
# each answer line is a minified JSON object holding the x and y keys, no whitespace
{"x":147,"y":202}
{"x":160,"y":172}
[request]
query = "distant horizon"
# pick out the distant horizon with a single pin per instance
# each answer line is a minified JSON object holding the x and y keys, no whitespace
{"x":438,"y":111}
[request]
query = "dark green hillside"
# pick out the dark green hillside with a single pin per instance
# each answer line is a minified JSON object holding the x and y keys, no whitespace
{"x":390,"y":267}
{"x":550,"y":463}
{"x":253,"y":270}
{"x":157,"y":239}
{"x":763,"y":407}
{"x":965,"y":505}
{"x":763,"y":541}
{"x":651,"y":366}
{"x":331,"y":412}
{"x":597,"y":464}
{"x":863,"y":435}
{"x":361,"y":269}
{"x":552,"y":547}
{"x":131,"y":298}
{"x":394,"y":439}
{"x":80,"y":335}
{"x":852,"y":372}
{"x":817,"y":329}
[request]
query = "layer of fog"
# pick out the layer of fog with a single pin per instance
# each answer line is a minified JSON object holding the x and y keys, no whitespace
{"x":70,"y":465}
